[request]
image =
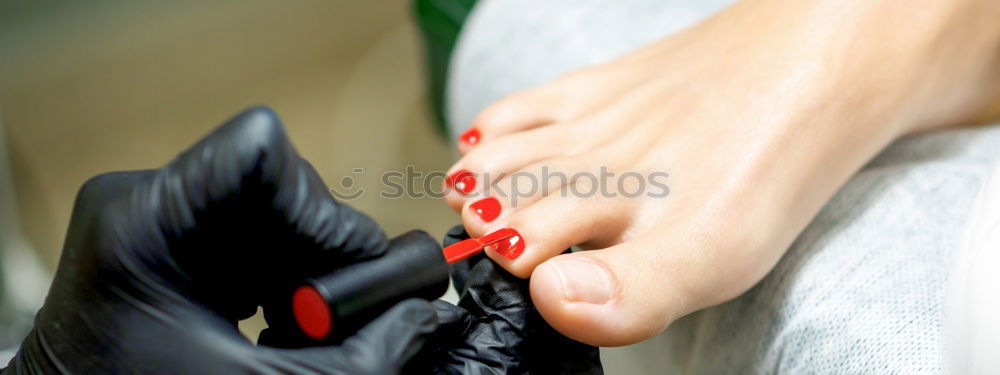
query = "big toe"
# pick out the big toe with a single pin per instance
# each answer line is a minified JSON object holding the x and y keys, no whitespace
{"x":632,"y":291}
{"x":589,"y":300}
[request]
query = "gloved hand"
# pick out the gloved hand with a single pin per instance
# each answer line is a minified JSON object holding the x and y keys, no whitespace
{"x":158,"y":266}
{"x":495,"y":329}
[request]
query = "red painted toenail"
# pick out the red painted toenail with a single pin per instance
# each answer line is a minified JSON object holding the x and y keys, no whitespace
{"x":487,"y":209}
{"x":506,"y":242}
{"x":470,"y":137}
{"x":462,"y":180}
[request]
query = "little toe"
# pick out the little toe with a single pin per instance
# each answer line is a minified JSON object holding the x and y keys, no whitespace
{"x":515,"y":113}
{"x":491,"y":162}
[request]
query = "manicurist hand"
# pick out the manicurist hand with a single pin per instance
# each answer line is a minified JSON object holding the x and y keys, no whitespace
{"x":495,"y":328}
{"x":160,"y":264}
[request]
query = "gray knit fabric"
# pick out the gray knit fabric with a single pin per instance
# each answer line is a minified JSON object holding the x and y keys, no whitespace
{"x":861,"y":290}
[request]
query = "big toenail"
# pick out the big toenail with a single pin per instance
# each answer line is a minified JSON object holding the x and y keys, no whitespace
{"x":584,"y":280}
{"x":487,"y":209}
{"x":506,"y":242}
{"x":470,"y":137}
{"x":462,"y":180}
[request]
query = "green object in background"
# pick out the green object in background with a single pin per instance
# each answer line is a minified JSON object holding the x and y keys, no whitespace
{"x":440,"y":22}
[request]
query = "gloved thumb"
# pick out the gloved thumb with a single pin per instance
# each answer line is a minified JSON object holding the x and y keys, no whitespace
{"x":381,"y":347}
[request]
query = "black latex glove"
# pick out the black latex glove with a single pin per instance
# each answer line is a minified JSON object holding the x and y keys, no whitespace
{"x":495,"y":329}
{"x":159,"y":265}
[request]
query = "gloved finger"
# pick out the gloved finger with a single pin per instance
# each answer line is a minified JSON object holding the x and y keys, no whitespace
{"x":563,"y":355}
{"x":439,"y":356}
{"x":95,"y":197}
{"x":241,"y":210}
{"x":99,"y":191}
{"x":501,"y":302}
{"x":381,"y":347}
{"x":492,"y":291}
{"x":487,"y":329}
{"x":452,"y":323}
{"x":449,"y":315}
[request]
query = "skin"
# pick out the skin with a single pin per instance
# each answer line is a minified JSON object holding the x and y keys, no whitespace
{"x":759,"y":115}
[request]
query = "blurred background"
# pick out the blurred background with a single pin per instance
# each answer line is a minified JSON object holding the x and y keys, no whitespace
{"x":90,"y":87}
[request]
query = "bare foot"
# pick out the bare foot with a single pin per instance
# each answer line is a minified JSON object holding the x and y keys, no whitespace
{"x":752,"y":120}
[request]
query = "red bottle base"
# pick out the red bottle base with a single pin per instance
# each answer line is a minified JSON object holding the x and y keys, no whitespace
{"x":311,"y":312}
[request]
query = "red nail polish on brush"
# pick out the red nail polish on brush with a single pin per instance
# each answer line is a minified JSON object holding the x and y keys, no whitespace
{"x":464,"y":249}
{"x":487,"y":209}
{"x":470,"y":137}
{"x":506,"y":242}
{"x":462,"y":180}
